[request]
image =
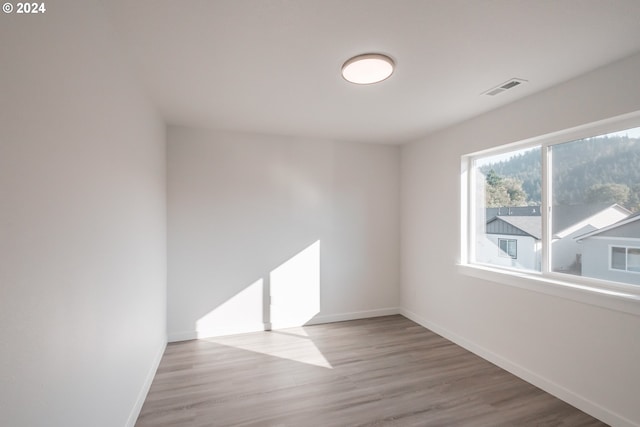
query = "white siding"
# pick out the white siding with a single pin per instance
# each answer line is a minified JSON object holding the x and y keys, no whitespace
{"x":528,"y":256}
{"x":596,"y":259}
{"x":566,"y":249}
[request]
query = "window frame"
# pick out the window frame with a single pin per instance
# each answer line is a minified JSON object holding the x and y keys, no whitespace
{"x":609,"y":294}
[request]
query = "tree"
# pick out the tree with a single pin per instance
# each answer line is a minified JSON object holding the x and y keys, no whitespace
{"x":503,"y":192}
{"x":608,"y":193}
{"x":493,"y":178}
{"x":517,"y":195}
{"x":633,"y":204}
{"x":576,"y":168}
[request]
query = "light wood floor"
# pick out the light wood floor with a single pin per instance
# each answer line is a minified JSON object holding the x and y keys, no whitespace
{"x":386,"y":371}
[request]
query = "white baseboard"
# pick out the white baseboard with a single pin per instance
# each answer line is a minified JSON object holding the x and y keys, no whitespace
{"x":182,"y":336}
{"x":354,"y":315}
{"x":257,"y":327}
{"x":537,"y":380}
{"x":216,"y":332}
{"x":142,"y":394}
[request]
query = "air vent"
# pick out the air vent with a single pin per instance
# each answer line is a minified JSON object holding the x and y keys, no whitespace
{"x":504,"y":86}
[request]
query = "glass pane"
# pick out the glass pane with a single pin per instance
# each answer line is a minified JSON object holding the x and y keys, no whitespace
{"x":513,"y":248}
{"x":507,"y":209}
{"x":619,"y":258}
{"x":595,"y":189}
{"x":508,"y":247}
{"x":633,"y":259}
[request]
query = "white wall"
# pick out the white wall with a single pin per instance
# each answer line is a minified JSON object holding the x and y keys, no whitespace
{"x":82,"y":224}
{"x":586,"y":354}
{"x":241,"y":205}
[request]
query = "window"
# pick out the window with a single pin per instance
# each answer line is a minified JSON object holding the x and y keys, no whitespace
{"x":618,"y":258}
{"x":508,"y":247}
{"x":564,"y":207}
{"x":507,"y":198}
{"x":625,"y":259}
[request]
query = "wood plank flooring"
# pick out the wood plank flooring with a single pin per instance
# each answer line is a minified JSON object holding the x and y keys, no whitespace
{"x":386,"y":371}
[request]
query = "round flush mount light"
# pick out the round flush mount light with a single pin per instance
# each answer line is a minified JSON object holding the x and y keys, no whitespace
{"x":368,"y":68}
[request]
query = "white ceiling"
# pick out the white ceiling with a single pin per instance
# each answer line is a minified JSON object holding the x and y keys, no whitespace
{"x":273,"y":66}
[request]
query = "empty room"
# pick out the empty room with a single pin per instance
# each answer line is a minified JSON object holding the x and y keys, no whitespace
{"x":320,"y":213}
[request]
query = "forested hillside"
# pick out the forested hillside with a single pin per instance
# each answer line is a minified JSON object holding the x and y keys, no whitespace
{"x":603,"y":169}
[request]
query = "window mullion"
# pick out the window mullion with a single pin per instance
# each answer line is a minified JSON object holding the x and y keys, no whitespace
{"x":626,"y":259}
{"x":546,"y":153}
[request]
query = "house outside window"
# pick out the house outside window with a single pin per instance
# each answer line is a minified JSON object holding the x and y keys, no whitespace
{"x":564,"y":207}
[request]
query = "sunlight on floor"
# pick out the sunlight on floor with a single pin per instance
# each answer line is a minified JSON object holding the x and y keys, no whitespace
{"x":291,"y":344}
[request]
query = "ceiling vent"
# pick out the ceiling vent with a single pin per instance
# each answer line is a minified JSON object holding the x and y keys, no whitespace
{"x":510,"y":84}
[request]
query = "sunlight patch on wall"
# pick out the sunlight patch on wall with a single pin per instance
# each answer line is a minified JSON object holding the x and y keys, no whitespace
{"x":294,"y":299}
{"x":295,"y":289}
{"x":241,"y":313}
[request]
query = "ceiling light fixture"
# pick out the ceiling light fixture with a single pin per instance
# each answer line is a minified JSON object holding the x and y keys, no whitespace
{"x":368,"y":68}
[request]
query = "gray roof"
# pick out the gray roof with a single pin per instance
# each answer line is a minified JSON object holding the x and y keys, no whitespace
{"x":609,"y":230}
{"x":564,"y":216}
{"x":529,"y":225}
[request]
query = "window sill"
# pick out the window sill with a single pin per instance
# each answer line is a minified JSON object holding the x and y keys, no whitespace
{"x":612,"y":299}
